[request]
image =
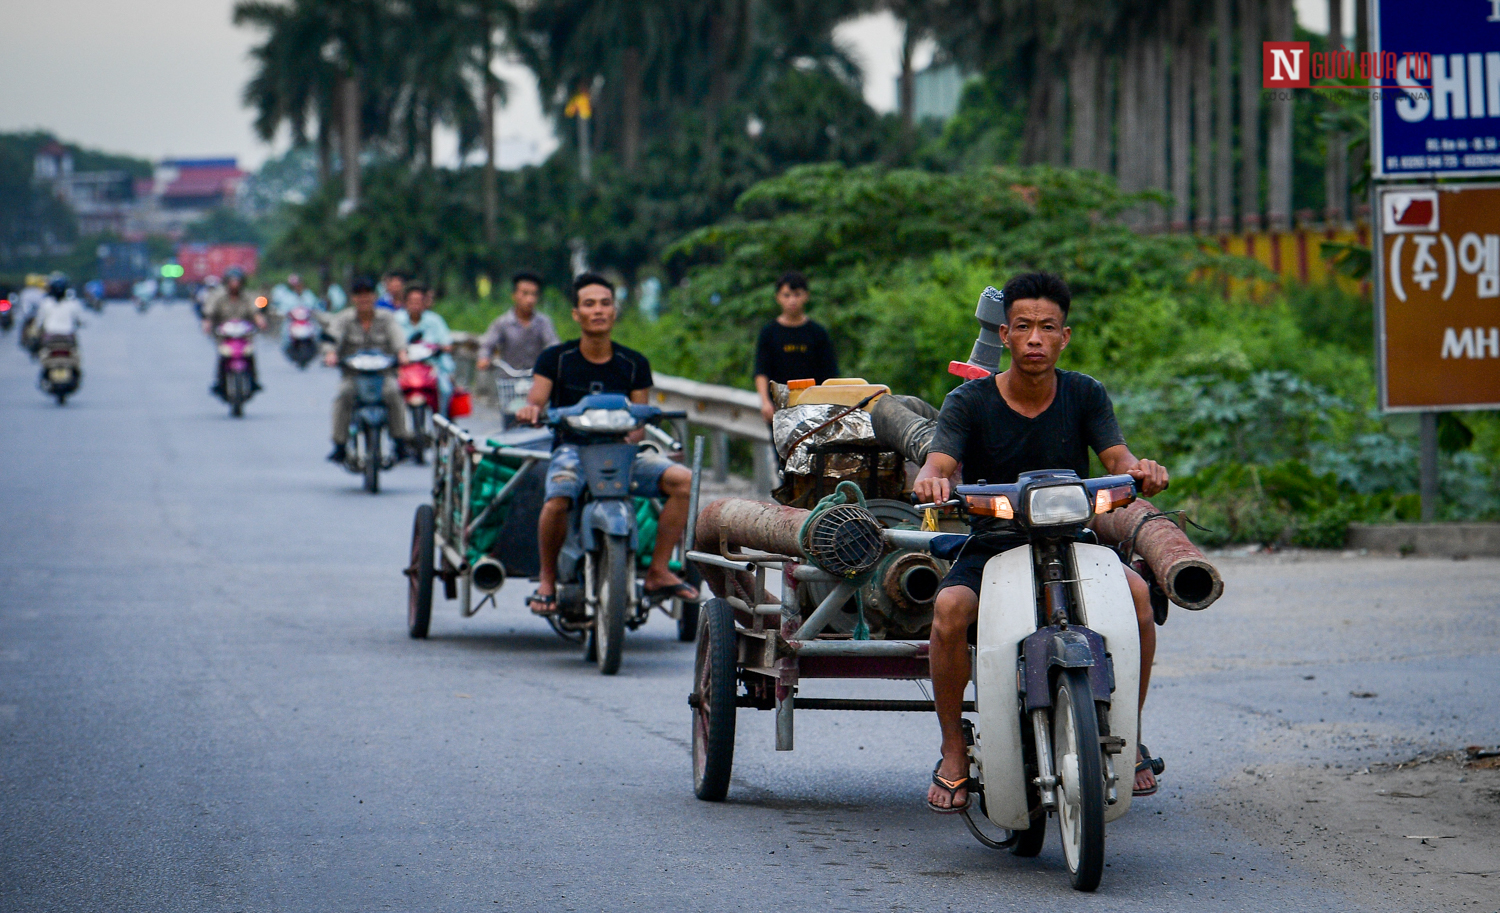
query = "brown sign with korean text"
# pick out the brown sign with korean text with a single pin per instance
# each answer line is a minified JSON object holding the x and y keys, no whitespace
{"x":1438,"y":298}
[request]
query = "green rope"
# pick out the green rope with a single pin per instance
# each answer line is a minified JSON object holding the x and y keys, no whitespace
{"x":846,"y":492}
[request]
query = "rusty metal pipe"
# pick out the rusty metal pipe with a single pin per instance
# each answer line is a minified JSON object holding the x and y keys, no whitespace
{"x":1184,"y":574}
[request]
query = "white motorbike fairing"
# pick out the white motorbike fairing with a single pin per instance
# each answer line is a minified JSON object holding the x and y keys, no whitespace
{"x":1109,"y":610}
{"x":1007,"y":615}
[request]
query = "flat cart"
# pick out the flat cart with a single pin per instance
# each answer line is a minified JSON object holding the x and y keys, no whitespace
{"x":451,"y":541}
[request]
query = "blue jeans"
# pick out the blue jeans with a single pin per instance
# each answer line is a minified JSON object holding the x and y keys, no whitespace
{"x":565,"y":480}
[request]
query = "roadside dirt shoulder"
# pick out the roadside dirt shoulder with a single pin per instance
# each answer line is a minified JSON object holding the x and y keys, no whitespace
{"x":1426,"y":831}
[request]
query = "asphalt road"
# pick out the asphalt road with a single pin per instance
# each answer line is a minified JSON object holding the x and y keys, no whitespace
{"x":208,"y":702}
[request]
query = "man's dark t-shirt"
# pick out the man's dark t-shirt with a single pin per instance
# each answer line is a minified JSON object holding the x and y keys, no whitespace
{"x":574,"y":377}
{"x":995,"y":443}
{"x":785,"y":353}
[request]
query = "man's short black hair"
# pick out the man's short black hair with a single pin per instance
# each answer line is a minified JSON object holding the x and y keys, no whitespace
{"x":362,"y":284}
{"x":793,"y":280}
{"x":526,"y":275}
{"x":413,"y":287}
{"x":583,"y":280}
{"x":1038,"y":285}
{"x":395,"y":274}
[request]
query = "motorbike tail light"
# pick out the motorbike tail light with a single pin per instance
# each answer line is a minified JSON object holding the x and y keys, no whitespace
{"x":261,"y":301}
{"x":4,"y":304}
{"x":59,"y":353}
{"x":991,"y":506}
{"x":1107,"y":499}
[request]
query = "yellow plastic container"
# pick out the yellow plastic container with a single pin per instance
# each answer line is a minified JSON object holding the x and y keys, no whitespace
{"x":835,"y":391}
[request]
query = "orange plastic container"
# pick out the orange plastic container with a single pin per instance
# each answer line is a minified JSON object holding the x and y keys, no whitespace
{"x":835,"y":391}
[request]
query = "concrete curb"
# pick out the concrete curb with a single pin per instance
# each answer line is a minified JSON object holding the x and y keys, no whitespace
{"x":1448,"y":540}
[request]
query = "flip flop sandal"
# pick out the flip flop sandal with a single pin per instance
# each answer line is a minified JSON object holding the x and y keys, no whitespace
{"x":547,"y":599}
{"x":1156,"y":765}
{"x":679,"y":590}
{"x":951,"y":787}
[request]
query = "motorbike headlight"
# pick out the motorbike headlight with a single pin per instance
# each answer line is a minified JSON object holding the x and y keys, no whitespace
{"x":602,"y":420}
{"x":1059,"y":505}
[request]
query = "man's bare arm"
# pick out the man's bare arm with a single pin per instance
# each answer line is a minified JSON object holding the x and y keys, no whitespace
{"x":1151,"y":475}
{"x":932,"y":484}
{"x":536,"y":400}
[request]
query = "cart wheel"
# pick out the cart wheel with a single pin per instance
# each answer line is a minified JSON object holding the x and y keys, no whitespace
{"x":1080,"y":769}
{"x":613,"y":586}
{"x":419,"y":574}
{"x":372,"y":460}
{"x":590,"y":647}
{"x":716,"y":686}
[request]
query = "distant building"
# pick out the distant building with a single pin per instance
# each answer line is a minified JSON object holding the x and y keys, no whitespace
{"x":102,"y":201}
{"x":185,"y":190}
{"x":936,"y":92}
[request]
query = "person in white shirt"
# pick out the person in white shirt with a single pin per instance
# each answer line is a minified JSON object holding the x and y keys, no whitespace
{"x":60,"y":313}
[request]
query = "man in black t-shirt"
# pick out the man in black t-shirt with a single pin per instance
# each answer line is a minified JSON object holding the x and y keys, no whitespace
{"x":565,"y":374}
{"x":791,"y":347}
{"x":1030,"y":416}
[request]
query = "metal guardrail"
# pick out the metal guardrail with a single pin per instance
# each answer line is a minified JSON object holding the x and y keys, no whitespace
{"x":727,"y":411}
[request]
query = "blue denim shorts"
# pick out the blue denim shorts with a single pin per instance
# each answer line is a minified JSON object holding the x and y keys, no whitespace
{"x":564,"y":480}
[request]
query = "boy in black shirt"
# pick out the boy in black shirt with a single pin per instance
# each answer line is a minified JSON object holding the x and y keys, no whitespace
{"x":1030,"y":416}
{"x":791,"y":347}
{"x":566,"y":373}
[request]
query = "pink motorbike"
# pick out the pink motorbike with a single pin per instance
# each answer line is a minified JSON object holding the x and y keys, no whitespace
{"x":236,"y":379}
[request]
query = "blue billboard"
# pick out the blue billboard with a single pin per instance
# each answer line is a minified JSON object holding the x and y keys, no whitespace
{"x":1438,"y":114}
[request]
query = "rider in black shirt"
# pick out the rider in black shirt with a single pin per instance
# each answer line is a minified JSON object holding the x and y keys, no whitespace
{"x":565,"y":374}
{"x":1029,"y":417}
{"x":791,"y":347}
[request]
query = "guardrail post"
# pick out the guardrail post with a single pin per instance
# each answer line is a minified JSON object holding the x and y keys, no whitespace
{"x":765,"y":467}
{"x":720,"y":456}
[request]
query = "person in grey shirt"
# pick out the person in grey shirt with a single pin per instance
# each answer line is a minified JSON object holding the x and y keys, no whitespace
{"x":519,"y":335}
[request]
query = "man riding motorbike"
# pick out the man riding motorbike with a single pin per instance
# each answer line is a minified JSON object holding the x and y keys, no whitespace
{"x":418,"y":322}
{"x":228,"y":303}
{"x":1029,"y":417}
{"x":565,"y":374}
{"x":519,"y":335}
{"x":59,"y":313}
{"x":362,"y":328}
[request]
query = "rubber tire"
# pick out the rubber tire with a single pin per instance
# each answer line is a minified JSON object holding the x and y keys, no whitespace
{"x":687,"y":616}
{"x":1073,"y":701}
{"x":62,"y":399}
{"x":372,"y":460}
{"x":716,"y":683}
{"x":612,"y":586}
{"x":419,"y":583}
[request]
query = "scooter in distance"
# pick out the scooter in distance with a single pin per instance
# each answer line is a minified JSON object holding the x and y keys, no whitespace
{"x":1056,"y":669}
{"x":597,"y":590}
{"x":301,"y":336}
{"x":61,"y":368}
{"x":236,"y":347}
{"x":419,"y":388}
{"x":366,"y":451}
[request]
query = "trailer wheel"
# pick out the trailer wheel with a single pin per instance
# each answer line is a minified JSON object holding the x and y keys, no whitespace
{"x":715,"y":689}
{"x":419,"y":574}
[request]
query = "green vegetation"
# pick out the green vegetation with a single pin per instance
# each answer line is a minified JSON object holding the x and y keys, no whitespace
{"x":1264,"y":410}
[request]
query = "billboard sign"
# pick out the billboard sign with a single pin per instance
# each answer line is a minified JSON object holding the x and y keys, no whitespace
{"x":199,"y":261}
{"x":1438,"y":297}
{"x":1438,"y":113}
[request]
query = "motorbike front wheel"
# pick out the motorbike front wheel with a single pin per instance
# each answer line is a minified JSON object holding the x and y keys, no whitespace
{"x":612,"y":583}
{"x":419,"y":435}
{"x":372,"y":460}
{"x":1080,"y":777}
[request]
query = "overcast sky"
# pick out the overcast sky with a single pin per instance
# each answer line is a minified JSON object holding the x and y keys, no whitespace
{"x":162,"y":78}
